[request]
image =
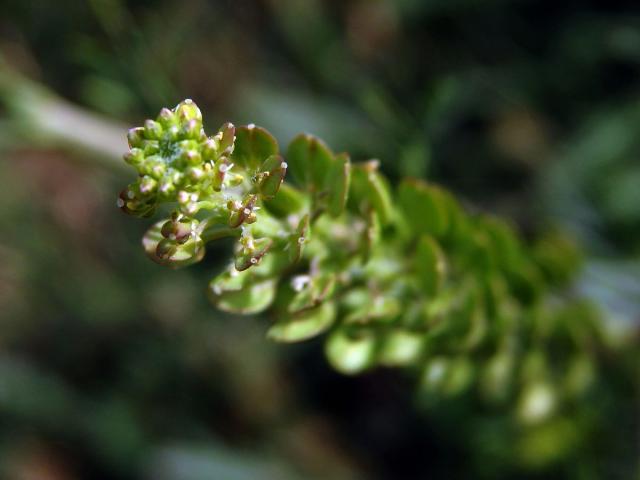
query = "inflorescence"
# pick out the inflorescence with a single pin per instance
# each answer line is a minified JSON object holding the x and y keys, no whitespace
{"x":401,"y":277}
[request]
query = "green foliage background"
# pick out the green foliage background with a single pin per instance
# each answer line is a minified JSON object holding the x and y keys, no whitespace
{"x":112,"y":367}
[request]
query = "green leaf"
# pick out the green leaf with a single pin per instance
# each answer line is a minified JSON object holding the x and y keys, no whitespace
{"x":430,"y":265}
{"x":425,"y":207}
{"x":351,"y":351}
{"x":304,"y":325}
{"x":338,"y":183}
{"x":241,"y":292}
{"x":309,"y":161}
{"x":252,"y":147}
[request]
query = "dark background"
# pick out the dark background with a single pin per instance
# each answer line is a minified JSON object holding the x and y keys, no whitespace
{"x":114,"y":368}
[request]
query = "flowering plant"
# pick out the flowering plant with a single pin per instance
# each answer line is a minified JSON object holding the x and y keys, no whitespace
{"x":395,"y":277}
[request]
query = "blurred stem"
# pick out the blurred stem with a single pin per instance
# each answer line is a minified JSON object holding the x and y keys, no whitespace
{"x":36,"y":115}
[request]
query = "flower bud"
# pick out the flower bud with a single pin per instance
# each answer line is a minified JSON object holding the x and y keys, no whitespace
{"x":210,"y":149}
{"x":187,"y":110}
{"x":150,"y":147}
{"x":135,"y":136}
{"x":227,"y":136}
{"x":191,"y":157}
{"x":166,"y":118}
{"x":147,"y":185}
{"x":191,"y":129}
{"x":166,"y":188}
{"x":235,"y":180}
{"x":134,"y":157}
{"x":152,"y":130}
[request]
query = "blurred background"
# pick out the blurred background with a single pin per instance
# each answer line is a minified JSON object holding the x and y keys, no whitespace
{"x":112,"y":367}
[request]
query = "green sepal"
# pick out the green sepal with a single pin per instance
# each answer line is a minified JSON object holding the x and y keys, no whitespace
{"x":351,"y":350}
{"x":338,"y":183}
{"x":430,"y":265}
{"x":253,"y":145}
{"x":241,"y":292}
{"x":303,"y":325}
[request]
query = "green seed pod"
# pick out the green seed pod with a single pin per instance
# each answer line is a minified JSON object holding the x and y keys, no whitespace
{"x":251,"y":251}
{"x":179,"y":229}
{"x":338,"y":183}
{"x":170,"y":253}
{"x":271,"y":175}
{"x":430,"y":266}
{"x":351,"y":351}
{"x":303,"y":325}
{"x":401,"y":347}
{"x":241,"y":212}
{"x":242,"y":292}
